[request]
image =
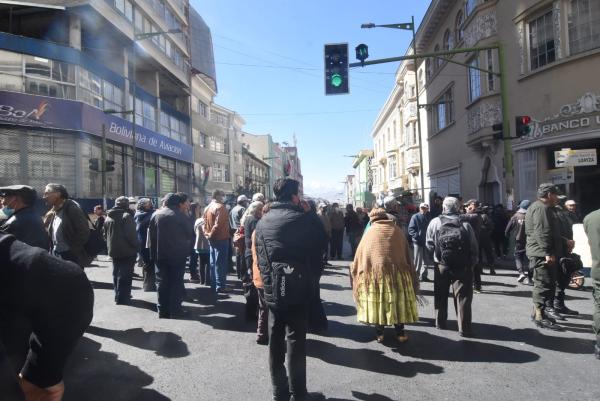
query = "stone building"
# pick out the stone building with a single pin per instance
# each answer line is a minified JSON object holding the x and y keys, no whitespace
{"x":551,"y":51}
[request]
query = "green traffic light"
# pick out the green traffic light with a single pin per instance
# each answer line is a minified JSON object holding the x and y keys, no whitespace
{"x":336,"y":80}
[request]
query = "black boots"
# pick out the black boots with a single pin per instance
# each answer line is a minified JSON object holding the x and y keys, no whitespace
{"x":543,"y":320}
{"x":560,"y":307}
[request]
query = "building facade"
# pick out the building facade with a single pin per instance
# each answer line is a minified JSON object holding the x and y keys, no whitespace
{"x":292,"y":167}
{"x":396,"y":164}
{"x":349,"y":190}
{"x":67,"y":75}
{"x":551,"y":49}
{"x":263,"y":147}
{"x":556,"y":48}
{"x":256,"y":174}
{"x":363,"y":179}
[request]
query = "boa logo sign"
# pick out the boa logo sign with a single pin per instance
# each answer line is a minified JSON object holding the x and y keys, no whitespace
{"x":10,"y":113}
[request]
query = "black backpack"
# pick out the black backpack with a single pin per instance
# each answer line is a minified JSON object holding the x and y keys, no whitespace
{"x":286,"y":285}
{"x":453,"y":244}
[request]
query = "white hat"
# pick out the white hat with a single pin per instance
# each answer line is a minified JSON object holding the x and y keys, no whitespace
{"x":423,"y":205}
{"x":258,"y":197}
{"x":242,"y":198}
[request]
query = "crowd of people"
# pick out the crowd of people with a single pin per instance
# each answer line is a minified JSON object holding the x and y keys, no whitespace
{"x":279,"y":249}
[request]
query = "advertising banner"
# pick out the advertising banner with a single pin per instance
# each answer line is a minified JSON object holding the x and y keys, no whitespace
{"x":46,"y":112}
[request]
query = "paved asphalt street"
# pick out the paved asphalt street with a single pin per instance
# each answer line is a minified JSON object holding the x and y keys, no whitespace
{"x":128,"y":354}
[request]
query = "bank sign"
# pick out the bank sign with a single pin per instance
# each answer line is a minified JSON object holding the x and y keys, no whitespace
{"x":584,"y":114}
{"x":47,"y":112}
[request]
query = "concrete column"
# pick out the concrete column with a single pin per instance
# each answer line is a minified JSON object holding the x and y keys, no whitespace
{"x":75,"y":31}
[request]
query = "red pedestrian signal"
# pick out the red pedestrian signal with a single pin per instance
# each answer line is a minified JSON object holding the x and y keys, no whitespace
{"x":523,"y":125}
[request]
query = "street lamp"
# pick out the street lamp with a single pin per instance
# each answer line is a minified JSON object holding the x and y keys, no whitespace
{"x":409,"y":26}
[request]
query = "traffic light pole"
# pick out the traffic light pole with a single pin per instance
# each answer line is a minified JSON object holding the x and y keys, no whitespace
{"x":506,"y":142}
{"x":508,"y":162}
{"x":103,"y":164}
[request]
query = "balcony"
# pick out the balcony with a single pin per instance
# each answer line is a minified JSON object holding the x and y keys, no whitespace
{"x":481,"y":115}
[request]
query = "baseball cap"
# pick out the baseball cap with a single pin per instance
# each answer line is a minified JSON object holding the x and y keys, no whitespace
{"x":14,"y":189}
{"x":547,"y":188}
{"x":423,"y":205}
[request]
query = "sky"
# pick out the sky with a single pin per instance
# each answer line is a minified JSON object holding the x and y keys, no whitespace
{"x":269,"y":63}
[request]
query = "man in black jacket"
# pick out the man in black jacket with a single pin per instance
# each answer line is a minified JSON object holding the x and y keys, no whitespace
{"x":121,"y":240}
{"x":170,"y":234}
{"x":55,"y":300}
{"x":288,"y":235}
{"x":22,"y":220}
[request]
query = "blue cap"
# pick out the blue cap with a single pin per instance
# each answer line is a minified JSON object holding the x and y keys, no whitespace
{"x":524,"y":204}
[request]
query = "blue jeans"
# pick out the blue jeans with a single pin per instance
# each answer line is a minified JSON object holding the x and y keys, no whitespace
{"x":219,"y":263}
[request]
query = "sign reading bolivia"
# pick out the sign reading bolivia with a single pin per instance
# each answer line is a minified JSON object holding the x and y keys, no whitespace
{"x":46,"y":112}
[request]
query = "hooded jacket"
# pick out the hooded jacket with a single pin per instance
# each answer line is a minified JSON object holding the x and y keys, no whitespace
{"x":119,"y":232}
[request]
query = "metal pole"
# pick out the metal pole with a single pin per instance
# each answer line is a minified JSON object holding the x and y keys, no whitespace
{"x":103,"y":165}
{"x":134,"y":156}
{"x":508,"y":163}
{"x":424,"y":55}
{"x":421,"y":170}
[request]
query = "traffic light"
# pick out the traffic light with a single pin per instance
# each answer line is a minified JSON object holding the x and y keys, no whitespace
{"x":498,"y":131}
{"x":523,"y":125}
{"x":94,"y":164}
{"x":362,"y":52}
{"x":110,"y":165}
{"x":336,"y":69}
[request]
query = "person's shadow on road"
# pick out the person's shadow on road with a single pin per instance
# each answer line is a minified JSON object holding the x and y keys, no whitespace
{"x":423,"y":345}
{"x":166,"y":344}
{"x":95,"y":375}
{"x":367,"y":359}
{"x":364,"y":397}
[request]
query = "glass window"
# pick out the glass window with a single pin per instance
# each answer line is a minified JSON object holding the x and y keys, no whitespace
{"x":438,"y":61}
{"x":448,"y":42}
{"x":128,"y":10}
{"x":38,"y":66}
{"x":470,"y":6}
{"x":139,"y":21}
{"x":393,"y":167}
{"x":474,"y":81}
{"x":458,"y":26}
{"x":584,"y":25}
{"x":149,"y":116}
{"x":120,"y":5}
{"x":541,"y":41}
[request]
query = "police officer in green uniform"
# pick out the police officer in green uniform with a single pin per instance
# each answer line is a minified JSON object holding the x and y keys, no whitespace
{"x":591,"y":225}
{"x":544,"y":247}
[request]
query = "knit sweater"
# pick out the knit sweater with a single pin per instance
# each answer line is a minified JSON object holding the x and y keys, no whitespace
{"x":382,"y":252}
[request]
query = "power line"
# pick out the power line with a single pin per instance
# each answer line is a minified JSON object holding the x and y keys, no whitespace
{"x":309,"y":113}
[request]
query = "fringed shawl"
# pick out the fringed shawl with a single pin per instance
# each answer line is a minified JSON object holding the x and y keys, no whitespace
{"x":382,"y":252}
